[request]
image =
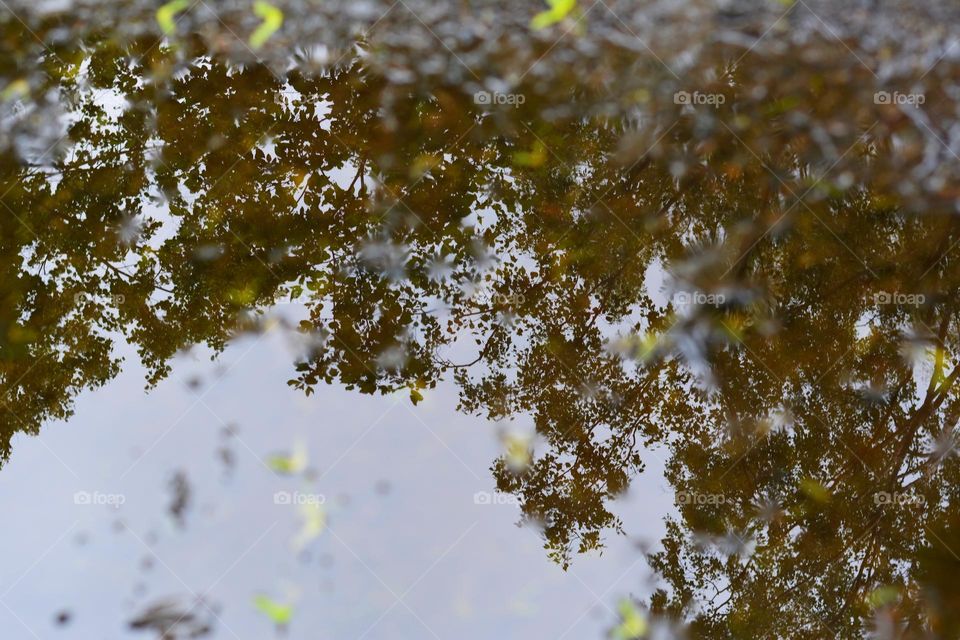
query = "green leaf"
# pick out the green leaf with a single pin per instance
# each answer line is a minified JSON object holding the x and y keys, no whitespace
{"x":15,"y":90}
{"x":882,"y":596}
{"x":272,"y":20}
{"x":166,"y":12}
{"x":559,"y":9}
{"x":279,"y":614}
{"x":518,"y":450}
{"x":289,"y":464}
{"x":314,"y":521}
{"x":633,"y":623}
{"x":415,"y":396}
{"x":533,"y":158}
{"x":815,"y":490}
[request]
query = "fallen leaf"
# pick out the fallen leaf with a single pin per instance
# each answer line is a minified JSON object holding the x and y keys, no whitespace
{"x":272,"y":20}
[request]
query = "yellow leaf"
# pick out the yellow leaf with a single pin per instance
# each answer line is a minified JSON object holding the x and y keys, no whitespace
{"x":633,"y":623}
{"x":415,"y":396}
{"x":517,"y":447}
{"x":559,"y":9}
{"x":314,"y":518}
{"x":166,"y":12}
{"x":272,"y":20}
{"x":15,"y":90}
{"x":882,"y":596}
{"x":279,"y":614}
{"x":815,"y":490}
{"x":533,"y":158}
{"x":290,"y":464}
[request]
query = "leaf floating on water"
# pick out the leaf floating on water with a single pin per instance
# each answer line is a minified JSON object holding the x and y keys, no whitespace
{"x":937,"y":356}
{"x":15,"y":90}
{"x":291,"y":464}
{"x":882,"y":596}
{"x":533,"y":158}
{"x":423,"y":164}
{"x":242,"y":296}
{"x":165,"y":15}
{"x":180,"y":487}
{"x":279,"y":614}
{"x":815,"y":490}
{"x":172,"y":618}
{"x":272,"y":20}
{"x":639,"y":347}
{"x":633,"y":622}
{"x":518,"y":455}
{"x":734,"y":327}
{"x":559,"y":9}
{"x":314,"y":518}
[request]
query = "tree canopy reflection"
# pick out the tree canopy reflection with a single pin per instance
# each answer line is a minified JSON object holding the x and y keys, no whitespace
{"x":806,"y":398}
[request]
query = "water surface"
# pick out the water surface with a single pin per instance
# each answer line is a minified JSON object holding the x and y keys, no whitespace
{"x":670,"y":286}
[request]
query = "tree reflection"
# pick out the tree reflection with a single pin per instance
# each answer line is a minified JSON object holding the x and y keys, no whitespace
{"x":808,"y":404}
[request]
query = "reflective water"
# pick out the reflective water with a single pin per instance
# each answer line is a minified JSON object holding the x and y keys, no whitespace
{"x":672,"y":287}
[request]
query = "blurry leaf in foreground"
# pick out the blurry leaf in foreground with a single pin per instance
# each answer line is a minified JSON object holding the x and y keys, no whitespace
{"x":422,"y":165}
{"x":942,"y":447}
{"x":559,"y":9}
{"x":518,"y":455}
{"x":290,"y":464}
{"x":815,"y":490}
{"x":533,"y":158}
{"x":180,"y":488}
{"x":171,"y":618}
{"x":314,"y":518}
{"x":882,"y":596}
{"x":279,"y":614}
{"x":15,"y":90}
{"x":272,"y":20}
{"x":166,"y":12}
{"x":633,"y":622}
{"x":638,"y":347}
{"x":734,"y":328}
